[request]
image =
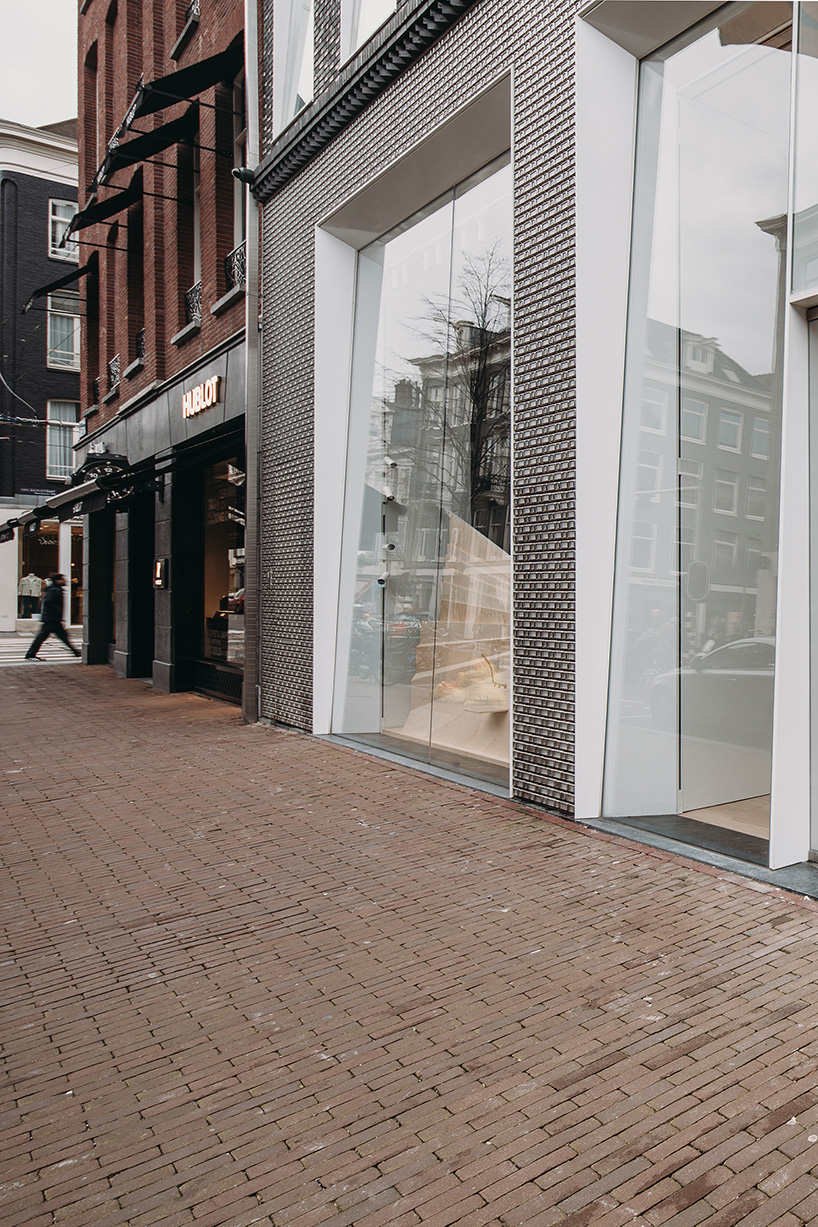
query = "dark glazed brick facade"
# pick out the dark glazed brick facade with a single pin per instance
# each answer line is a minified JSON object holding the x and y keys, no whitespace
{"x":25,"y":265}
{"x":536,"y":44}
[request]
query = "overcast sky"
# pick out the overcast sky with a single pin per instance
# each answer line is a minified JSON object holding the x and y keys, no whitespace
{"x":38,"y":61}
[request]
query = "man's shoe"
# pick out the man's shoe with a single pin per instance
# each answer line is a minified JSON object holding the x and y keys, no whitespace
{"x":39,"y":662}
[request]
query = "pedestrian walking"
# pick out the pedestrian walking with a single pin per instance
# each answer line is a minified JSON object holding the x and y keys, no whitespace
{"x":52,"y":618}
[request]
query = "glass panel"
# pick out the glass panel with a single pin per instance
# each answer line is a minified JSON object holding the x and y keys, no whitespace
{"x":423,"y":647}
{"x":805,"y":188}
{"x":365,"y":16}
{"x":705,"y":326}
{"x":62,"y":417}
{"x":223,"y":580}
{"x":472,"y":664}
{"x":297,"y":62}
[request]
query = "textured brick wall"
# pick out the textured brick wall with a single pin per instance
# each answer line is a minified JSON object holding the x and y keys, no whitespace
{"x":140,"y":41}
{"x":25,"y":265}
{"x":536,"y":42}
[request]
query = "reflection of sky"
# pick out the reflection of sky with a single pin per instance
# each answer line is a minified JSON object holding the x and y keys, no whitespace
{"x":722,"y":169}
{"x":419,"y":265}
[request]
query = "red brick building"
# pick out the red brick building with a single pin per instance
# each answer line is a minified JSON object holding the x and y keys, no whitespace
{"x":164,"y":119}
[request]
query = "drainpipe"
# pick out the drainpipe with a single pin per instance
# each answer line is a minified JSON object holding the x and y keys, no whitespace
{"x":252,"y":356}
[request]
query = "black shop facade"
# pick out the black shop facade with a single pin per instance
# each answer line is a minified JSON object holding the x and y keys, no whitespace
{"x":164,"y":559}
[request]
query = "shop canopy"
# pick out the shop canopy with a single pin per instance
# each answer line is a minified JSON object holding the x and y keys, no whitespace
{"x":187,"y":82}
{"x":129,"y":153}
{"x":67,"y":279}
{"x":101,"y":478}
{"x":91,"y":214}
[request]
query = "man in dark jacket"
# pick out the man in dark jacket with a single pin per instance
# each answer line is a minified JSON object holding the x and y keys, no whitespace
{"x":51,"y":614}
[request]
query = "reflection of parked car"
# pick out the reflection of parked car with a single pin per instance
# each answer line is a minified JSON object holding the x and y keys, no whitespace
{"x":726,"y":694}
{"x":235,"y":601}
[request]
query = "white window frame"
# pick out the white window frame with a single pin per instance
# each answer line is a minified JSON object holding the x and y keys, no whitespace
{"x":644,"y":466}
{"x":725,"y":414}
{"x":691,"y":475}
{"x":725,"y":477}
{"x":654,"y":398}
{"x":54,"y":313}
{"x":61,"y":427}
{"x":752,"y":482}
{"x":765,"y":431}
{"x":56,"y":229}
{"x":692,"y":405}
{"x":239,"y":160}
{"x":651,"y":538}
{"x":719,"y":540}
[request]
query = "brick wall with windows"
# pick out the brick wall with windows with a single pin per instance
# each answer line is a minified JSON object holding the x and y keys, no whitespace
{"x":28,"y":261}
{"x":145,"y":253}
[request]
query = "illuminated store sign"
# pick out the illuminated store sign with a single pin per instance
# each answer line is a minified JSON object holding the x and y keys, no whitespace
{"x":204,"y":396}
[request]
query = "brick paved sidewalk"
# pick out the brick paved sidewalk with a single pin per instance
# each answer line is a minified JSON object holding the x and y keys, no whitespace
{"x":255,"y":978}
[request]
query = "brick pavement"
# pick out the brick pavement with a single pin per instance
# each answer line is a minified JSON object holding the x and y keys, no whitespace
{"x":250,"y":977}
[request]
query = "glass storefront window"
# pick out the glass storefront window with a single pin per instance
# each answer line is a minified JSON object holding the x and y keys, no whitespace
{"x":363,"y":18}
{"x":40,"y":558}
{"x":224,"y":489}
{"x":805,"y":186}
{"x":423,"y":658}
{"x":294,"y":59}
{"x":690,"y":726}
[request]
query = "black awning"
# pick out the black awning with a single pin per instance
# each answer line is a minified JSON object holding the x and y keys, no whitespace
{"x":146,"y":146}
{"x":74,"y":275}
{"x":105,"y":209}
{"x":187,"y":82}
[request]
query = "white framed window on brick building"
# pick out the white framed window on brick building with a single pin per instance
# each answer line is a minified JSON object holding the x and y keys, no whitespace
{"x":64,"y":330}
{"x":60,"y":213}
{"x":62,"y":417}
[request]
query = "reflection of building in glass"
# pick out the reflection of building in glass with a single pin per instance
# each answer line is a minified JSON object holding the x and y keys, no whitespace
{"x":716,"y":424}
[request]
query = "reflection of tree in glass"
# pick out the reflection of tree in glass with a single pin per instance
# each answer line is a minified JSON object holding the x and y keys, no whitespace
{"x":465,"y":392}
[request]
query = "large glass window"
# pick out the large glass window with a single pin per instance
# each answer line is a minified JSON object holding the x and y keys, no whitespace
{"x":294,"y":59}
{"x":60,"y":213}
{"x":423,"y":662}
{"x":64,"y":330}
{"x":62,"y":418}
{"x":705,"y":324}
{"x":361,"y":19}
{"x":223,"y":586}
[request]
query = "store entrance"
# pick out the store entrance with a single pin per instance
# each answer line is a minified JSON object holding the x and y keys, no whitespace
{"x":209,"y":583}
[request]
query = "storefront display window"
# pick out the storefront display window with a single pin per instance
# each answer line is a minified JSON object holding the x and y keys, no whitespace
{"x":423,"y":658}
{"x":40,"y":557}
{"x":693,"y":655}
{"x":223,"y":562}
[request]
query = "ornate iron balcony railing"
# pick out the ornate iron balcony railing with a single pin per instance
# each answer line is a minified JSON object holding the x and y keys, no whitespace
{"x":140,"y":344}
{"x":193,"y":304}
{"x":193,"y":10}
{"x":113,"y":373}
{"x":235,"y":267}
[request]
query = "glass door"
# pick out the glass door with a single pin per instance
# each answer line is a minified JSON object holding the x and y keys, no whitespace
{"x":693,"y":659}
{"x":424,"y":620}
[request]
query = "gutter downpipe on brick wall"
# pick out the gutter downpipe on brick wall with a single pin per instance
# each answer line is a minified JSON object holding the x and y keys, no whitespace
{"x":252,"y":355}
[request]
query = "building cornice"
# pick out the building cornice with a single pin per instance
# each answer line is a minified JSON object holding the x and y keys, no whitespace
{"x":398,"y":45}
{"x":31,"y":151}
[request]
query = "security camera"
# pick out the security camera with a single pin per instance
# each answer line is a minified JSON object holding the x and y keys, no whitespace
{"x":381,"y":581}
{"x":244,"y":174}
